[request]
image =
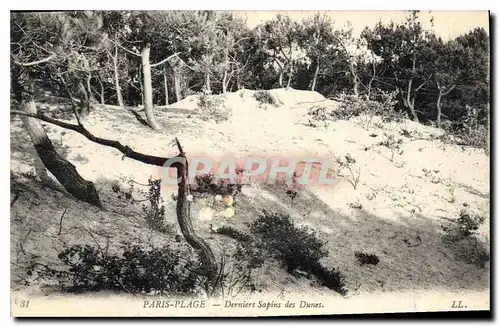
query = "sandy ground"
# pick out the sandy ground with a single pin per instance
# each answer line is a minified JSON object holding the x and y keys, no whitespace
{"x":397,"y":211}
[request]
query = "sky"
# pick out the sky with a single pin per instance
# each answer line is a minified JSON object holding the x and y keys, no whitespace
{"x":447,"y":24}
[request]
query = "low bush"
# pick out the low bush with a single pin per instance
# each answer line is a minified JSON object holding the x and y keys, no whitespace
{"x":463,"y":239}
{"x":265,"y":97}
{"x":136,"y":270}
{"x":381,"y":104}
{"x":366,"y":259}
{"x":297,"y":248}
{"x":213,"y":107}
{"x":155,"y":212}
{"x":208,"y":184}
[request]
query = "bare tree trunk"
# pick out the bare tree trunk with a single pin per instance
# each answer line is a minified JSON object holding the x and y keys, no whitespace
{"x":355,"y":79}
{"x":63,"y":170}
{"x":177,"y":86}
{"x":119,"y":96}
{"x":148,"y":89}
{"x":442,"y":93}
{"x":165,"y":83}
{"x":226,"y":64}
{"x":102,"y":89}
{"x":316,"y":71}
{"x":185,"y":223}
{"x":224,"y":81}
{"x":208,"y":86}
{"x":438,"y":107}
{"x":280,"y":79}
{"x":290,"y":69}
{"x":89,"y":89}
{"x":371,"y":81}
{"x":85,"y":101}
{"x":410,"y":102}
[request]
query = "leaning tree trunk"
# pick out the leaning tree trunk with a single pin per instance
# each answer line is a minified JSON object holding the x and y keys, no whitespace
{"x":410,"y":103}
{"x":165,"y":84}
{"x":119,"y":96}
{"x":208,"y":86}
{"x":280,"y":79}
{"x":185,"y":223}
{"x":102,"y":90}
{"x":438,"y":107}
{"x":177,"y":86}
{"x":290,"y":71}
{"x":84,"y":99}
{"x":63,"y":170}
{"x":148,"y":89}
{"x":316,"y":71}
{"x":442,"y":93}
{"x":89,"y":88}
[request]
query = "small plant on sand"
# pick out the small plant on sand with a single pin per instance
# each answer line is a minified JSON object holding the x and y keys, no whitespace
{"x":208,"y":184}
{"x":297,"y":248}
{"x":265,"y":97}
{"x":155,"y":212}
{"x":463,"y":239}
{"x":213,"y":107}
{"x":366,"y":259}
{"x":348,"y":170}
{"x":320,"y":114}
{"x":392,"y":144}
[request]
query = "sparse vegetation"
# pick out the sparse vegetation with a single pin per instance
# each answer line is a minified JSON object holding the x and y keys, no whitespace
{"x":366,"y":109}
{"x":266,"y":98}
{"x":236,"y":274}
{"x":155,"y":212}
{"x":392,"y":144}
{"x":297,"y":248}
{"x":213,"y":107}
{"x":366,"y":259}
{"x":348,"y":170}
{"x":159,"y":271}
{"x":209,"y":184}
{"x":462,"y":239}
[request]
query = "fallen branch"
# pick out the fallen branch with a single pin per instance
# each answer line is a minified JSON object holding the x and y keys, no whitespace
{"x":60,"y":222}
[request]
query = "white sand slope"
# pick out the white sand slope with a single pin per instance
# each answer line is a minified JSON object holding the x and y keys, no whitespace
{"x":395,"y":204}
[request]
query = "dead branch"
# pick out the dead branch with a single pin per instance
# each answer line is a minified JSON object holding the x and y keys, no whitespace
{"x":126,"y":150}
{"x":60,"y":222}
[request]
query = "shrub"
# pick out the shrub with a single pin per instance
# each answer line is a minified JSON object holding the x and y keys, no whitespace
{"x":234,"y":233}
{"x":213,"y":107}
{"x":468,"y":224}
{"x":462,"y":239}
{"x":321,"y":114}
{"x":297,"y":248}
{"x":366,"y":109}
{"x":348,"y":171}
{"x":366,"y":259}
{"x":392,"y":144}
{"x":265,"y":97}
{"x":245,"y":259}
{"x":135,"y":271}
{"x":155,"y":212}
{"x":207,"y":184}
{"x":472,"y":130}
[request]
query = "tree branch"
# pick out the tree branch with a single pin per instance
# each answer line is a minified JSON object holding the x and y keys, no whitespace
{"x":165,"y":60}
{"x":33,"y":63}
{"x":129,"y":51}
{"x":126,"y":150}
